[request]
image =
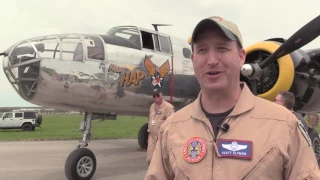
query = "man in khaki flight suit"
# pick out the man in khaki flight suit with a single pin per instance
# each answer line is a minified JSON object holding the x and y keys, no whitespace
{"x":160,"y":110}
{"x":227,"y":132}
{"x":287,"y":99}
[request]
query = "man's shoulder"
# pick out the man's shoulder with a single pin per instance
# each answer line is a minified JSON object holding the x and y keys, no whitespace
{"x":168,"y":104}
{"x":298,"y":116}
{"x":265,"y":109}
{"x":152,"y":105}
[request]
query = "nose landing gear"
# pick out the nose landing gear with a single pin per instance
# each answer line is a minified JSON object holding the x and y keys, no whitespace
{"x":81,"y":164}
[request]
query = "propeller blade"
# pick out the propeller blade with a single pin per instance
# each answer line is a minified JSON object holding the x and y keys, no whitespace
{"x":254,"y":87}
{"x":302,"y":37}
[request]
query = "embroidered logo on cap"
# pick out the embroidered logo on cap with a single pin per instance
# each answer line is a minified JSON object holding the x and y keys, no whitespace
{"x":194,"y":149}
{"x":235,"y":148}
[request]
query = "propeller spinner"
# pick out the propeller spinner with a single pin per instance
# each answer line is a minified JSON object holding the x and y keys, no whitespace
{"x":302,"y":37}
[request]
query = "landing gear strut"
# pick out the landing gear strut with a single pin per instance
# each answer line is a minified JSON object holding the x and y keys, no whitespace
{"x":81,"y":163}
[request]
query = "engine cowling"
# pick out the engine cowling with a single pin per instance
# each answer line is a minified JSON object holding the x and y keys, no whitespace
{"x":277,"y":76}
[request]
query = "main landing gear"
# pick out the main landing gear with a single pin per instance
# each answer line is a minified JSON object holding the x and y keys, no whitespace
{"x":81,"y":164}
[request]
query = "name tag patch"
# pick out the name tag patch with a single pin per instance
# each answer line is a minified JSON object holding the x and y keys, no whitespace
{"x":232,"y":148}
{"x":158,"y":112}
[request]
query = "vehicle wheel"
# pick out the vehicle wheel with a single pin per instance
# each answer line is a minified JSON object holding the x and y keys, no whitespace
{"x":143,"y":136}
{"x":26,"y":127}
{"x":315,"y":139}
{"x":80,"y":164}
{"x":39,"y":119}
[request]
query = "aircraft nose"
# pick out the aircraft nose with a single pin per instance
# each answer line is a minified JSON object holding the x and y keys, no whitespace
{"x":21,"y":65}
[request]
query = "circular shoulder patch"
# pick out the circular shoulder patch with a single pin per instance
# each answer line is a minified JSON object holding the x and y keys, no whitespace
{"x":194,"y":149}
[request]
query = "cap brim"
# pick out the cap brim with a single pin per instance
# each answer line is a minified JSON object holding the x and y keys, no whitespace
{"x":211,"y":23}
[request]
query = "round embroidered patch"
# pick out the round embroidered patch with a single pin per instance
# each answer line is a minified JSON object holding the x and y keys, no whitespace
{"x":194,"y":149}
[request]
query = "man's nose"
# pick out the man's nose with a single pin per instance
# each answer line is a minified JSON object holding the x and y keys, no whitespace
{"x":212,"y":58}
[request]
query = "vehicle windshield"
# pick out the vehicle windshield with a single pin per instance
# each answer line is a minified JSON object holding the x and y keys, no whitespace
{"x":130,"y":34}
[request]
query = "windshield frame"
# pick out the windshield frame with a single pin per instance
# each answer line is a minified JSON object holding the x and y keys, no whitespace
{"x":128,"y":30}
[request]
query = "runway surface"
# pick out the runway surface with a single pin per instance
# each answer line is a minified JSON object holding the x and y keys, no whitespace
{"x":39,"y":160}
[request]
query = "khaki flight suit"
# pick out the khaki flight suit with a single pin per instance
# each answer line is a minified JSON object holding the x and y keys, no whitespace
{"x":264,"y":141}
{"x":156,"y":118}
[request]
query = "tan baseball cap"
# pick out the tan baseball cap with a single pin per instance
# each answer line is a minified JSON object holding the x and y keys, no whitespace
{"x":228,"y":28}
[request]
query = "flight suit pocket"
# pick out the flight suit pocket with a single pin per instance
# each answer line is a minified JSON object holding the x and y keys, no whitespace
{"x":264,"y":166}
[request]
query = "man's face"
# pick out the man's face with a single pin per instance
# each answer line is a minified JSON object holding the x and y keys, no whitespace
{"x":278,"y":100}
{"x":216,"y":60}
{"x":313,"y":121}
{"x":157,"y":97}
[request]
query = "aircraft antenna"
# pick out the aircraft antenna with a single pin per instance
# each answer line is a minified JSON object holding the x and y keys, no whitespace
{"x":156,"y":26}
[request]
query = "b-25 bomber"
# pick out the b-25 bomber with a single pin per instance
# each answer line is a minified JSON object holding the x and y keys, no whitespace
{"x":105,"y":75}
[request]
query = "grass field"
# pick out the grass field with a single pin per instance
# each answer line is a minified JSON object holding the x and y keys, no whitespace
{"x":65,"y":127}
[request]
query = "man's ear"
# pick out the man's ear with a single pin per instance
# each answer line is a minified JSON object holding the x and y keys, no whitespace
{"x":242,"y":56}
{"x":192,"y":56}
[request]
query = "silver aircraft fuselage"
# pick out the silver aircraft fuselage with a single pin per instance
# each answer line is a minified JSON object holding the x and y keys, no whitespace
{"x":112,"y":73}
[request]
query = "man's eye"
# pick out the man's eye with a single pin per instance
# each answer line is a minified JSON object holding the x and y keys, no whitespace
{"x":201,"y":50}
{"x":222,"y":49}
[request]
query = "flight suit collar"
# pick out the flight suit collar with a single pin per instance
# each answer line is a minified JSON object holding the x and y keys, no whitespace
{"x":161,"y":104}
{"x":245,"y":102}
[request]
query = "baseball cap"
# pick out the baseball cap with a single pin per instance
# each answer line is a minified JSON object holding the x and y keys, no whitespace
{"x":228,"y":28}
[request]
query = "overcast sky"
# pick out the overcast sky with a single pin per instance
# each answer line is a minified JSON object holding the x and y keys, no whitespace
{"x":257,"y":20}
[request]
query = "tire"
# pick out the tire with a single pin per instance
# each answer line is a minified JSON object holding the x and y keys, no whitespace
{"x":143,"y":136}
{"x":26,"y":127}
{"x":39,"y":120}
{"x":76,"y":157}
{"x":315,"y":139}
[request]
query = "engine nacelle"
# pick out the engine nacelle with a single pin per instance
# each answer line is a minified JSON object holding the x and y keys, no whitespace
{"x":277,"y":76}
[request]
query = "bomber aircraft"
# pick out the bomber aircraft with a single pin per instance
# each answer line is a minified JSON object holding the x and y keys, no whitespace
{"x":116,"y":74}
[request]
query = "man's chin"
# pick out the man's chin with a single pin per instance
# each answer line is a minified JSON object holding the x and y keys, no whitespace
{"x":216,"y":86}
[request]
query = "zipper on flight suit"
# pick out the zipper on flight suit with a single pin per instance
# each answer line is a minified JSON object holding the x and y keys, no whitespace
{"x":226,"y":120}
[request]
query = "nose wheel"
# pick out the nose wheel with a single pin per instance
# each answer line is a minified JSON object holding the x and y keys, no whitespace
{"x":81,"y":163}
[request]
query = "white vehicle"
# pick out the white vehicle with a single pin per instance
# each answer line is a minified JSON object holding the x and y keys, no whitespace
{"x":26,"y":120}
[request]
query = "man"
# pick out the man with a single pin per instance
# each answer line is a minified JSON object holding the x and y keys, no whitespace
{"x":227,"y":132}
{"x":160,"y":110}
{"x":313,"y":120}
{"x":287,"y":99}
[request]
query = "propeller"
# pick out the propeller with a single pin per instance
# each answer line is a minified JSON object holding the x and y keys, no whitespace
{"x":303,"y":36}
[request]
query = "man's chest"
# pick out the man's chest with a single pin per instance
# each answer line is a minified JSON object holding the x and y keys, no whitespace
{"x":240,"y":152}
{"x":158,"y":113}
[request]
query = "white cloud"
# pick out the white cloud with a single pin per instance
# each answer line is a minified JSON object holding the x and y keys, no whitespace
{"x":257,"y":20}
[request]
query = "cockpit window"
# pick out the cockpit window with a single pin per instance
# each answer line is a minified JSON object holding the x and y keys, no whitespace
{"x":130,"y":34}
{"x":95,"y":48}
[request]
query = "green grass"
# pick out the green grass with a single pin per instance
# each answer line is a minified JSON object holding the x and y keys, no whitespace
{"x":66,"y":127}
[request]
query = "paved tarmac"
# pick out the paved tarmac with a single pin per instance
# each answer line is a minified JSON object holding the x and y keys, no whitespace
{"x":44,"y":160}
